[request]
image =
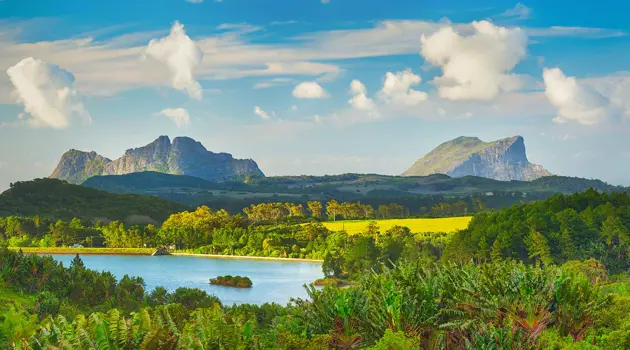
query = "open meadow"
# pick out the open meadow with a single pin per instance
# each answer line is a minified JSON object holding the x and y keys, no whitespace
{"x":417,"y":225}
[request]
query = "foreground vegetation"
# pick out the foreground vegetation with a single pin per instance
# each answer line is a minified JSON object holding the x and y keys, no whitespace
{"x":412,"y":305}
{"x":416,"y":225}
{"x":546,"y":275}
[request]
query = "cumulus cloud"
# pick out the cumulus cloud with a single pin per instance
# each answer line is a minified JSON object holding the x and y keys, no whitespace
{"x":573,"y":100}
{"x":359,"y":98}
{"x":309,"y":89}
{"x":181,"y":54}
{"x":47,"y":93}
{"x":178,"y":115}
{"x":259,"y":112}
{"x":476,"y":66}
{"x":397,"y":89}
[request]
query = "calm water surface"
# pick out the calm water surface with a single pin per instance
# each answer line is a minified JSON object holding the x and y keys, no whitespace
{"x":273,"y":281}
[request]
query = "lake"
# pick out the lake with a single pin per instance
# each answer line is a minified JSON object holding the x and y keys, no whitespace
{"x":273,"y":281}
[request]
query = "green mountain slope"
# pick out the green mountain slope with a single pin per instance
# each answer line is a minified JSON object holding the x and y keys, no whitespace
{"x":60,"y":200}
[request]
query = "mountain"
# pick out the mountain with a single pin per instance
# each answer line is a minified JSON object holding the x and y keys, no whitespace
{"x":184,"y":156}
{"x":55,"y":199}
{"x":503,"y":159}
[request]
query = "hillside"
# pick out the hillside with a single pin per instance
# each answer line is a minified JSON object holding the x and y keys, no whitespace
{"x":503,"y":159}
{"x":57,"y":199}
{"x":413,"y":192}
{"x":184,"y":156}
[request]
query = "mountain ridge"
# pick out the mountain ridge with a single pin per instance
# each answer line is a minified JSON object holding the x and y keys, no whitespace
{"x":182,"y":156}
{"x":504,"y":159}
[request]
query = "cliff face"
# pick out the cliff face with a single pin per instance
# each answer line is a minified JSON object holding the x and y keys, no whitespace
{"x":184,"y":156}
{"x":504,"y":159}
{"x":77,"y":166}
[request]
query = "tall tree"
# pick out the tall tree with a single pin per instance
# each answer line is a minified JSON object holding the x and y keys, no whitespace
{"x":614,"y":231}
{"x":538,"y":248}
{"x":315,"y":207}
{"x":333,"y":208}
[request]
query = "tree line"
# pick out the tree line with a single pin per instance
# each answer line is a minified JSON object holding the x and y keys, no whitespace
{"x":552,"y":231}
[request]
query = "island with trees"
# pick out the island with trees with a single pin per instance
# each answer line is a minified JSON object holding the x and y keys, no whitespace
{"x":232,"y":281}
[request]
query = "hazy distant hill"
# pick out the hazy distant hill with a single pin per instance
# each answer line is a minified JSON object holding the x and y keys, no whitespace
{"x":57,"y":199}
{"x":367,"y":188}
{"x":503,"y":159}
{"x":184,"y":156}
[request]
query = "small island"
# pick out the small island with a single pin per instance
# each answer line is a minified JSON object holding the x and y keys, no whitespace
{"x":232,"y":281}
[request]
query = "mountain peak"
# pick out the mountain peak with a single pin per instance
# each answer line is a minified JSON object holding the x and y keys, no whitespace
{"x":187,"y":143}
{"x":503,"y":159}
{"x":184,"y":156}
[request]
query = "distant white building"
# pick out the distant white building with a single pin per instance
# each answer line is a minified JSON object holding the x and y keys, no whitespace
{"x":76,"y":245}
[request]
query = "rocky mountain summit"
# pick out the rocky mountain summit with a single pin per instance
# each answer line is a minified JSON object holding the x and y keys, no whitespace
{"x":503,"y":159}
{"x":184,"y":156}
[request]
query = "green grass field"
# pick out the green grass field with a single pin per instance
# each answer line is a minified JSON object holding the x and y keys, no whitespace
{"x":94,"y":251}
{"x":415,"y":225}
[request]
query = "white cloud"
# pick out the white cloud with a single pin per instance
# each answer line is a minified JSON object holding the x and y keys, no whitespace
{"x":310,"y":90}
{"x":615,"y":87}
{"x":182,"y":55}
{"x":397,"y":89}
{"x":293,"y":108}
{"x":178,"y":115}
{"x":106,"y":65}
{"x":198,"y":1}
{"x":47,"y":93}
{"x":519,"y":11}
{"x":359,"y":98}
{"x":578,"y":32}
{"x":325,"y":1}
{"x":273,"y":82}
{"x":262,"y":85}
{"x":477,"y":66}
{"x":283,"y":23}
{"x":261,"y":113}
{"x":574,"y":101}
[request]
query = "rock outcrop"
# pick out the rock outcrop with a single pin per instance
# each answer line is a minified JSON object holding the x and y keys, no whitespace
{"x":503,"y":159}
{"x":184,"y":156}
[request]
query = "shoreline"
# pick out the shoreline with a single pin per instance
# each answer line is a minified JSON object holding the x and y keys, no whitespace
{"x":146,"y":252}
{"x":85,"y":251}
{"x":245,"y":257}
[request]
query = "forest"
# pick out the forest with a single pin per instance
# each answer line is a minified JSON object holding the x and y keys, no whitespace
{"x":546,"y":275}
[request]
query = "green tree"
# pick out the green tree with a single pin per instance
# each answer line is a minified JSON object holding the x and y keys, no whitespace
{"x":315,"y":207}
{"x":538,"y":248}
{"x":614,"y":231}
{"x":333,"y":208}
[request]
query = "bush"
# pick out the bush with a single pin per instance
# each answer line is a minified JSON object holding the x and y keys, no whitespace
{"x":192,"y":298}
{"x":47,"y":305}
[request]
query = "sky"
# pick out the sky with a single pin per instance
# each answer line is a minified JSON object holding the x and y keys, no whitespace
{"x":313,"y":86}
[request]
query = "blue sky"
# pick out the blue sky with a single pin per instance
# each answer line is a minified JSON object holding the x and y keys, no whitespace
{"x":305,"y":87}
